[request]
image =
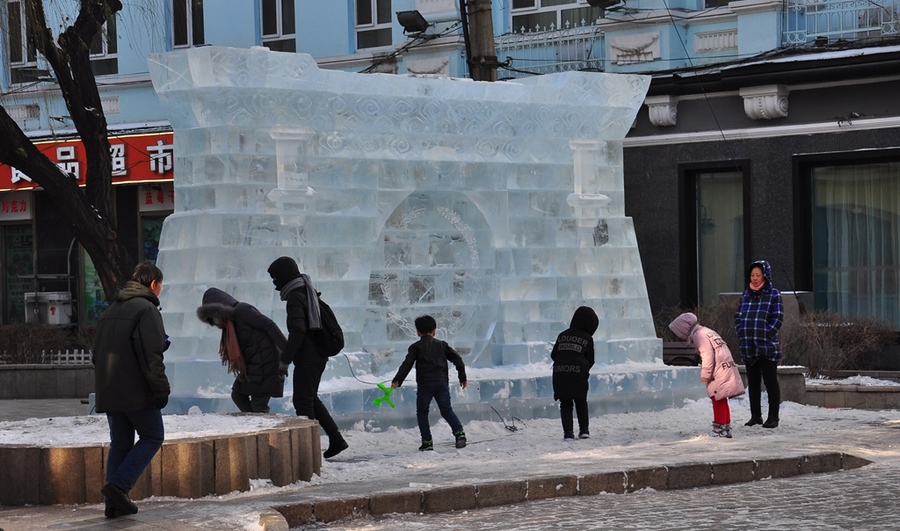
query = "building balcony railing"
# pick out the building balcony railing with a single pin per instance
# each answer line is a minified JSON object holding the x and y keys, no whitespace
{"x":532,"y":52}
{"x":816,"y":20}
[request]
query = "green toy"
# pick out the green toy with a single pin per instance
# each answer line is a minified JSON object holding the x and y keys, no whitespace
{"x":387,"y":396}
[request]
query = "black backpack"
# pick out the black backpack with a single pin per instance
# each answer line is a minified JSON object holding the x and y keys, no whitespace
{"x":330,"y":339}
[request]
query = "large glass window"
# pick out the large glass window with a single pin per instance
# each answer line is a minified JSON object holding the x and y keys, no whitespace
{"x":187,"y":23}
{"x":278,"y":27}
{"x":720,"y":234}
{"x":544,"y":15}
{"x":18,"y":270}
{"x":373,"y":23}
{"x":856,"y":239}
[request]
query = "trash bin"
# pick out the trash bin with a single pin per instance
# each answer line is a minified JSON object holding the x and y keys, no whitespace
{"x":48,"y":307}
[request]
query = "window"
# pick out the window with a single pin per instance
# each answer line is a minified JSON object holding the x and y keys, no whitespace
{"x":544,"y":15}
{"x":278,"y":29}
{"x":855,"y":240}
{"x":720,"y":234}
{"x":18,"y":274}
{"x":23,"y":57}
{"x":22,"y":53}
{"x":712,"y":228}
{"x":105,"y":49}
{"x":187,"y":23}
{"x":373,"y":23}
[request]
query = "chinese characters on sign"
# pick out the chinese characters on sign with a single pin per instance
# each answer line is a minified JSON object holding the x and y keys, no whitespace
{"x":15,"y":206}
{"x":156,"y":198}
{"x":135,"y":158}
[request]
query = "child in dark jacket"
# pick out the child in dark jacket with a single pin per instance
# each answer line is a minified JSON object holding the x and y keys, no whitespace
{"x":573,"y":357}
{"x":251,"y":345}
{"x":431,"y":357}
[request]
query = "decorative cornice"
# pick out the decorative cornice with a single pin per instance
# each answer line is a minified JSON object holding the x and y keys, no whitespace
{"x":765,"y":102}
{"x":726,"y":135}
{"x":663,"y":110}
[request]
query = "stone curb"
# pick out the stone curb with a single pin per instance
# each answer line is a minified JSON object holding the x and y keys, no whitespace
{"x":488,"y":494}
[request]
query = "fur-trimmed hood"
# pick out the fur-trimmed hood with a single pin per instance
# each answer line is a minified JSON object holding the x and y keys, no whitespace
{"x":216,"y":305}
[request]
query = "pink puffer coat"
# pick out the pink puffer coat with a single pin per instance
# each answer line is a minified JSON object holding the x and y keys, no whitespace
{"x":717,"y":364}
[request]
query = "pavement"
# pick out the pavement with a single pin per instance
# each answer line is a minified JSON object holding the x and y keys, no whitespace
{"x":829,"y":467}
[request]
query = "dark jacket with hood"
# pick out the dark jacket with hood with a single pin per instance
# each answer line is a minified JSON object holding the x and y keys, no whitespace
{"x":432,"y":358}
{"x":573,"y":356}
{"x":259,"y":338}
{"x":128,"y":353}
{"x":759,"y":318}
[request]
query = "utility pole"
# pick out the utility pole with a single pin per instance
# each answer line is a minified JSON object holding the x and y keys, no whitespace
{"x":482,"y":57}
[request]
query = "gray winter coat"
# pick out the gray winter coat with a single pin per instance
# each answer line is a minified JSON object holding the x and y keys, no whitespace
{"x":128,"y":352}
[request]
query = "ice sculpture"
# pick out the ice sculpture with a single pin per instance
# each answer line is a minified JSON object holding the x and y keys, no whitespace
{"x":496,"y":207}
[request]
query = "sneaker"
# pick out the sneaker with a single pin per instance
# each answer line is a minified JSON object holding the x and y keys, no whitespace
{"x":584,"y":434}
{"x":568,"y":436}
{"x":119,"y":501}
{"x":460,"y":439}
{"x":717,"y":431}
{"x":427,"y":446}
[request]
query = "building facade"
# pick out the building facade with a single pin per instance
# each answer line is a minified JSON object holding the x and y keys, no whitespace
{"x":769,"y":131}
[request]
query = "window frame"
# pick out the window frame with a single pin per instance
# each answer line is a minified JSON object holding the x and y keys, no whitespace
{"x":26,"y":50}
{"x":374,"y":26}
{"x":804,"y":203}
{"x":192,"y":11}
{"x":689,"y":244}
{"x":281,"y":36}
{"x":538,"y":8}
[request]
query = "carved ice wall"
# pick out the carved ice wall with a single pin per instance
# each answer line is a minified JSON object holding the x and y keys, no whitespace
{"x":496,"y":207}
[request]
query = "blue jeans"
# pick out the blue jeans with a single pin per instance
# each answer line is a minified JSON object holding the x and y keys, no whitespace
{"x":126,"y":460}
{"x":440,"y":392}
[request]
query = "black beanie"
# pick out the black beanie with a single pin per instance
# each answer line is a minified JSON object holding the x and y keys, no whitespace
{"x":283,"y":270}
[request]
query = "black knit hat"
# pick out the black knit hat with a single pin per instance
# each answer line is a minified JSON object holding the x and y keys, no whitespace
{"x":283,"y":270}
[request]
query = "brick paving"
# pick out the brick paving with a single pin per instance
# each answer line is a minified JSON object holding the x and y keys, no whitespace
{"x":813,"y":497}
{"x":860,"y":499}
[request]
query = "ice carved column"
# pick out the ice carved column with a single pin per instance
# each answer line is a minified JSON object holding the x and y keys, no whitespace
{"x":293,"y":194}
{"x":587,"y":201}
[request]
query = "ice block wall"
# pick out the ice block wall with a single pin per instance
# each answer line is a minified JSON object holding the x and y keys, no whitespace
{"x":496,"y":207}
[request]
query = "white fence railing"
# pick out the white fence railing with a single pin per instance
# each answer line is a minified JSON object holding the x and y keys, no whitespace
{"x":73,"y":357}
{"x":807,"y":20}
{"x":547,"y":51}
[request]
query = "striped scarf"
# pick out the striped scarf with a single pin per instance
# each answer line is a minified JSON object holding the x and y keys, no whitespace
{"x":230,"y":351}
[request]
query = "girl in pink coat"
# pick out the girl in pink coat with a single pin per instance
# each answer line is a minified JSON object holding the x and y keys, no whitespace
{"x":718,"y":370}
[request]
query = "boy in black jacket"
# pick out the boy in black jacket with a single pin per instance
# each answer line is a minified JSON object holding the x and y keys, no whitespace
{"x":430,"y":357}
{"x":573,"y":357}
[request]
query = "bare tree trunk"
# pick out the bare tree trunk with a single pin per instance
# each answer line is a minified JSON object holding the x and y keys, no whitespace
{"x":90,"y":213}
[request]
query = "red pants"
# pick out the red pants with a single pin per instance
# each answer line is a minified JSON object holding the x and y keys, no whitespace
{"x":721,"y":411}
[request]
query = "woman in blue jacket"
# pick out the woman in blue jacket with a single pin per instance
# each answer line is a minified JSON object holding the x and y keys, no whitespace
{"x":757,"y":322}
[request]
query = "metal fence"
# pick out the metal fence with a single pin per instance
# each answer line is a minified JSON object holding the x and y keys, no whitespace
{"x":831,"y":20}
{"x":73,"y":357}
{"x":547,"y":51}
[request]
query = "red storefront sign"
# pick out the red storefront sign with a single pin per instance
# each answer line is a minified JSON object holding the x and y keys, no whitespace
{"x":138,"y":158}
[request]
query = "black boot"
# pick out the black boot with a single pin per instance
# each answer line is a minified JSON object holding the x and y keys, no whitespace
{"x":754,"y":421}
{"x":336,"y":445}
{"x":771,"y":423}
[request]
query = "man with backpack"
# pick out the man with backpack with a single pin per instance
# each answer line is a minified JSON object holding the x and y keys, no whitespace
{"x":305,"y":324}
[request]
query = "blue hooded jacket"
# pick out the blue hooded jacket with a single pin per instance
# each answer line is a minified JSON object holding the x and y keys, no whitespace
{"x":758,"y":319}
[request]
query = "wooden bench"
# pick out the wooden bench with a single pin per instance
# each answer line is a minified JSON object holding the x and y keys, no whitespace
{"x":680,"y":354}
